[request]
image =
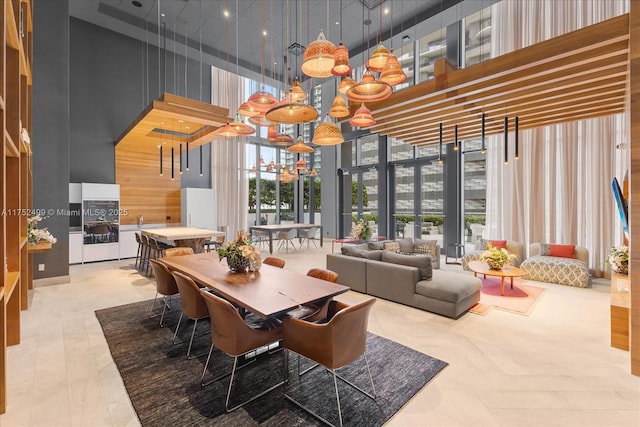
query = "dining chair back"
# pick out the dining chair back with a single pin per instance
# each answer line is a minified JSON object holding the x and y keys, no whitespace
{"x":309,"y":235}
{"x":286,"y":237}
{"x":165,"y":286}
{"x":232,"y":335}
{"x":276,"y":262}
{"x":193,"y":305}
{"x":334,"y":344}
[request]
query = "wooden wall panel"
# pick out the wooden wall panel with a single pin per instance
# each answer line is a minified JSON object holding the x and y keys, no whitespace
{"x":142,"y":190}
{"x":634,"y":187}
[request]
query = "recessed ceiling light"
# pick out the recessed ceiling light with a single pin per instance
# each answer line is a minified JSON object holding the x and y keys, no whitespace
{"x":163,"y":15}
{"x":264,"y":33}
{"x":337,"y":22}
{"x":136,"y":3}
{"x":226,"y":13}
{"x":180,"y":121}
{"x":386,"y":10}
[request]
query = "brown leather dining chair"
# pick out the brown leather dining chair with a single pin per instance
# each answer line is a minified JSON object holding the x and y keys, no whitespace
{"x":193,"y":305}
{"x":276,"y":262}
{"x":315,"y":311}
{"x":232,"y":335}
{"x":165,"y":286}
{"x":178,"y":251}
{"x":334,"y":344}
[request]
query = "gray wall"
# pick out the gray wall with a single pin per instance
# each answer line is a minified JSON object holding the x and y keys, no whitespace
{"x":88,"y":87}
{"x":109,"y":90}
{"x":50,"y":139}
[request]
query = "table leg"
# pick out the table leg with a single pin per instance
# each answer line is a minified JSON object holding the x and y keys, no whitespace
{"x":270,"y":242}
{"x":511,"y":282}
{"x":502,"y":286}
{"x":321,"y":240}
{"x":475,"y":274}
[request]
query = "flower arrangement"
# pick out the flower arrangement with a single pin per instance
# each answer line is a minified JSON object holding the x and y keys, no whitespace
{"x":496,"y":258}
{"x":241,"y":254}
{"x":361,"y":231}
{"x":35,"y":234}
{"x":619,"y":259}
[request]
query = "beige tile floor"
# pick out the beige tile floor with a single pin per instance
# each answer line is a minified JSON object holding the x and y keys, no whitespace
{"x":554,"y":367}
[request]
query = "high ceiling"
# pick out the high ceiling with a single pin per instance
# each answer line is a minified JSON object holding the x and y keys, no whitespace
{"x":286,"y":22}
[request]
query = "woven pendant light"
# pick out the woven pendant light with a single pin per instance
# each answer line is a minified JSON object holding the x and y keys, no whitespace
{"x":283,"y":140}
{"x":272,"y":133}
{"x":296,"y":93}
{"x":369,"y":89}
{"x":341,"y":66}
{"x":346,"y":84}
{"x":301,"y":164}
{"x":227,"y":130}
{"x":392,"y":73}
{"x":241,"y":128}
{"x":247,"y":111}
{"x":327,"y":133}
{"x":319,"y":57}
{"x":378,"y":58}
{"x":292,"y":113}
{"x":300,"y":147}
{"x":262,"y":101}
{"x":339,"y":107}
{"x":259,"y":120}
{"x":362,"y":118}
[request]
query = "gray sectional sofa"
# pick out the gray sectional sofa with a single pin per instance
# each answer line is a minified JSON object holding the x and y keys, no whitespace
{"x":407,"y":279}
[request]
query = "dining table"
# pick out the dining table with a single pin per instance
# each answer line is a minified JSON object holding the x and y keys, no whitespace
{"x":276,"y":228}
{"x":266,"y":292}
{"x":194,"y":238}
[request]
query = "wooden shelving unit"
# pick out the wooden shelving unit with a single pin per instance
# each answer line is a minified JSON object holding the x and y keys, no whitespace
{"x":15,"y":173}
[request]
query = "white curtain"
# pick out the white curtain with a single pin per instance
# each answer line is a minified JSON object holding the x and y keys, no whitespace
{"x":228,"y":169}
{"x":559,"y":191}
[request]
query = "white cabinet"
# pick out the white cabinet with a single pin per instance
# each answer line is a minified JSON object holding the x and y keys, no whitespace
{"x":198,"y":208}
{"x":128,"y":244}
{"x":75,"y":248}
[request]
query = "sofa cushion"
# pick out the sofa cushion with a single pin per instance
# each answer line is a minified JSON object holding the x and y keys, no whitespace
{"x":351,"y":249}
{"x":406,"y":245}
{"x":452,"y":287}
{"x":378,"y":246}
{"x":392,"y":247}
{"x":429,"y":247}
{"x":367,"y":254}
{"x":423,"y":263}
{"x":564,"y":251}
{"x":500,"y":244}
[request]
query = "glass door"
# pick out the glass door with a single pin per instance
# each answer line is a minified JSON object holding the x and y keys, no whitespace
{"x":404,"y":200}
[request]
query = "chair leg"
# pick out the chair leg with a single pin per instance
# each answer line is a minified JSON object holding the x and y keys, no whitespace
{"x":226,"y":405}
{"x":164,"y":308}
{"x":175,"y":334}
{"x":335,"y":385}
{"x":191,"y":340}
{"x":153,"y":304}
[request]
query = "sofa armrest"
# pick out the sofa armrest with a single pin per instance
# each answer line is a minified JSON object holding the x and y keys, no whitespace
{"x":394,"y":282}
{"x":351,"y":271}
{"x":516,"y":248}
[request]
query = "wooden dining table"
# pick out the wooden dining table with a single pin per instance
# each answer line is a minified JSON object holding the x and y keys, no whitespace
{"x":275,"y":228}
{"x":184,"y":236}
{"x":267,"y":292}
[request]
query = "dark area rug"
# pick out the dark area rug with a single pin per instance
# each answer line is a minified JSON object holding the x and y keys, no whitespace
{"x":164,"y":386}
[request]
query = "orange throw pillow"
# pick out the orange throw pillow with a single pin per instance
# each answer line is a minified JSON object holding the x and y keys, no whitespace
{"x":564,"y":251}
{"x":500,"y":244}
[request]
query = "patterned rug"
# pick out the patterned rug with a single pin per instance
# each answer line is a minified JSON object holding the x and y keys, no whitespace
{"x":520,"y":300}
{"x":164,"y":386}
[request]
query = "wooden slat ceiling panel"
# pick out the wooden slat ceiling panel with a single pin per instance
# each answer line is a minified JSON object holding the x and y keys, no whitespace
{"x":578,"y":75}
{"x":182,"y":120}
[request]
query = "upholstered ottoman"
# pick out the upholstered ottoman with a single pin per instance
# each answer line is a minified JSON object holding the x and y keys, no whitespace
{"x":555,"y":269}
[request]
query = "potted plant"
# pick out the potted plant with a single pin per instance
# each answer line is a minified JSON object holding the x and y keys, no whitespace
{"x":241,"y":254}
{"x":35,"y":234}
{"x":496,"y":258}
{"x":361,"y":231}
{"x":618,"y":259}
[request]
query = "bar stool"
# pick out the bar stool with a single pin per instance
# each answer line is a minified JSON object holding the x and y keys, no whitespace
{"x":144,"y":256}
{"x":140,"y":248}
